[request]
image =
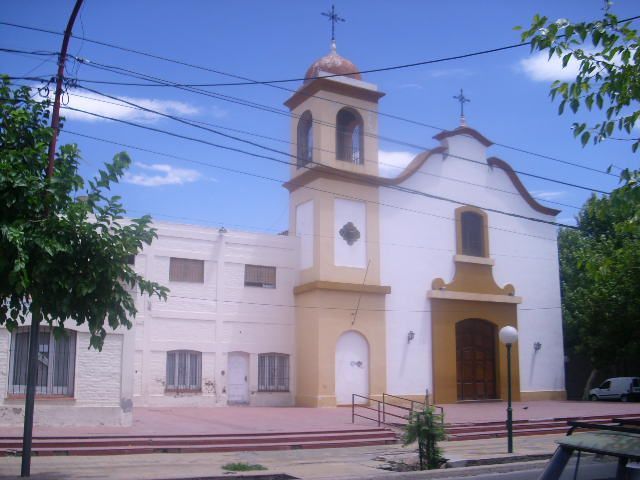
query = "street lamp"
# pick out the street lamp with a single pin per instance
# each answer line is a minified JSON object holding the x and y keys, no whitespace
{"x":509,"y":335}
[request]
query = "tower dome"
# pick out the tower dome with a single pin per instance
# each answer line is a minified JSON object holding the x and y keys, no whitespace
{"x":332,"y":63}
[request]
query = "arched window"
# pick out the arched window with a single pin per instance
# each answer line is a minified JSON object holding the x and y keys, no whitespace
{"x":349,"y":137}
{"x":305,"y":139}
{"x":472,"y":234}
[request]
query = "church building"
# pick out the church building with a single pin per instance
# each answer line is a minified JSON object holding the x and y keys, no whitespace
{"x":393,"y":285}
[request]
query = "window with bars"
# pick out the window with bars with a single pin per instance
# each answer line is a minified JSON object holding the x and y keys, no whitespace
{"x":56,"y":363}
{"x":259,"y":276}
{"x":273,"y":372}
{"x":186,"y":270}
{"x":184,"y":371}
{"x":472,"y":225}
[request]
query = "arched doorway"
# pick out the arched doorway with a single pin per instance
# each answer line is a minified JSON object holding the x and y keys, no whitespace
{"x":352,"y":367}
{"x":476,"y":359}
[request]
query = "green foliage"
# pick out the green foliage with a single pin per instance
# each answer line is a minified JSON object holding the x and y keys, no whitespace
{"x":600,"y":273}
{"x":426,"y":427}
{"x":62,"y":260}
{"x":242,"y":467}
{"x":608,"y":78}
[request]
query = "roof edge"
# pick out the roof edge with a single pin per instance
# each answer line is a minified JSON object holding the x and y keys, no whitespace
{"x":464,"y":131}
{"x":513,"y":176}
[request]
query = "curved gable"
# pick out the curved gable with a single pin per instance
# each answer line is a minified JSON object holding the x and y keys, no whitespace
{"x":501,"y":164}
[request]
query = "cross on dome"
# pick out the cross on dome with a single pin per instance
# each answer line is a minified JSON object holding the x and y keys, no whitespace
{"x":334,"y":18}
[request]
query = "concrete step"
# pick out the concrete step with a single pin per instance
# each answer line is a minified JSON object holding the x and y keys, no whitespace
{"x":108,"y":445}
{"x":476,"y":431}
{"x":64,"y":442}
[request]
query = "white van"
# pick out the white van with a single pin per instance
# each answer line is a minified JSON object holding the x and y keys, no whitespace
{"x":618,"y":388}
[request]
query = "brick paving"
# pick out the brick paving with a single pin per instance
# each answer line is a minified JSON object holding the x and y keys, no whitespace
{"x":225,"y":420}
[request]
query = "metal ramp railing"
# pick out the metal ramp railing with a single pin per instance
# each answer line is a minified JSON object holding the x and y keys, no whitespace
{"x":385,"y":408}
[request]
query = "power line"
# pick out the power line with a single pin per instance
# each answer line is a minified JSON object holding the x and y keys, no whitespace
{"x":163,"y":82}
{"x":392,"y":187}
{"x":539,"y":177}
{"x":273,"y":84}
{"x":332,"y":152}
{"x":280,"y":181}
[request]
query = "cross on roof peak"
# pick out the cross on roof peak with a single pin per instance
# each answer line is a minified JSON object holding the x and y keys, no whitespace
{"x":462,"y":99}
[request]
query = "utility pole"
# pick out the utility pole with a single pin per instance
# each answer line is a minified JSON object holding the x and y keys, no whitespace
{"x":32,"y":366}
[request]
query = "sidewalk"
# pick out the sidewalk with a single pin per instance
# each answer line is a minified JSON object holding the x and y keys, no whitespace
{"x":224,"y":420}
{"x":363,"y":462}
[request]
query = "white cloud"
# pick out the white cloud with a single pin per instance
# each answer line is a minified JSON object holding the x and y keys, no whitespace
{"x":158,"y":174}
{"x":547,"y":195}
{"x":391,"y":164}
{"x":100,"y":105}
{"x":540,"y":68}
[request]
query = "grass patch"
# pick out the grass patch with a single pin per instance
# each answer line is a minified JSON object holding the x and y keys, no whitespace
{"x":242,"y":467}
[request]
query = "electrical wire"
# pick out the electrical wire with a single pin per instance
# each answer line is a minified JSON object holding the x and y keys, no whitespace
{"x":278,"y":160}
{"x":532,"y":175}
{"x":332,"y":152}
{"x":272,"y":83}
{"x":280,"y":181}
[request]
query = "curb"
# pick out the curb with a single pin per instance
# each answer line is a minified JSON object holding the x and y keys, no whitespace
{"x":469,"y":471}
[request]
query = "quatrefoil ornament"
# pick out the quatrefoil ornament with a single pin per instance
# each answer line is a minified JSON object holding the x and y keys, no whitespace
{"x":350,"y":233}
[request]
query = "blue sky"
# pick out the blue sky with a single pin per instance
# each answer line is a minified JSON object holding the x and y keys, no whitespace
{"x":280,"y":39}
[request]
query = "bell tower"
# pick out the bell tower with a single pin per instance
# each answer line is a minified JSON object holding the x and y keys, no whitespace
{"x":334,"y":211}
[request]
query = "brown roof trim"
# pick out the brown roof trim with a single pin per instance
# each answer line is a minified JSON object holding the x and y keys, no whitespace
{"x":498,"y":163}
{"x":326,"y":84}
{"x":464,"y":131}
{"x":341,"y":287}
{"x":323,"y":171}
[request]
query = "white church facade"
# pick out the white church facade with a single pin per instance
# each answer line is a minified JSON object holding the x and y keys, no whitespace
{"x":381,"y":285}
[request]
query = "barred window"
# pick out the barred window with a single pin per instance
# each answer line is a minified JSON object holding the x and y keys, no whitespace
{"x":56,"y":362}
{"x":273,"y":372}
{"x":186,"y":270}
{"x":184,"y":371}
{"x":472,"y":225}
{"x":259,"y":276}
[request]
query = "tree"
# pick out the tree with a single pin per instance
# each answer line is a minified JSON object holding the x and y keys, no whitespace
{"x":63,"y":259}
{"x":600,"y":262}
{"x":600,"y":268}
{"x":608,"y":78}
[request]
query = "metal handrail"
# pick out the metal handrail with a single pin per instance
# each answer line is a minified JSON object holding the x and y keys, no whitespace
{"x":380,"y":420}
{"x":382,"y":410}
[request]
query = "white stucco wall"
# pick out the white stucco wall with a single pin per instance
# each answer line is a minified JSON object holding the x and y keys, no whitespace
{"x":219,"y":316}
{"x":418,"y":245}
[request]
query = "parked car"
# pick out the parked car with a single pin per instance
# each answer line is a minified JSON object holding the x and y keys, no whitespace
{"x":618,"y":388}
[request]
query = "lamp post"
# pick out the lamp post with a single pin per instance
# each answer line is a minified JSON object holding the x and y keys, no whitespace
{"x":509,"y":335}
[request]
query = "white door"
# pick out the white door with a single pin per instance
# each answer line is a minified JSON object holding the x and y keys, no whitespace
{"x":238,"y":379}
{"x":352,"y":368}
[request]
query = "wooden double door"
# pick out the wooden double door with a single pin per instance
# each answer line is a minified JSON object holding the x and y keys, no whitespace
{"x":476,"y":353}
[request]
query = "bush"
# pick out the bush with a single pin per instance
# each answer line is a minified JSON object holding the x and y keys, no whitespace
{"x":427,"y":427}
